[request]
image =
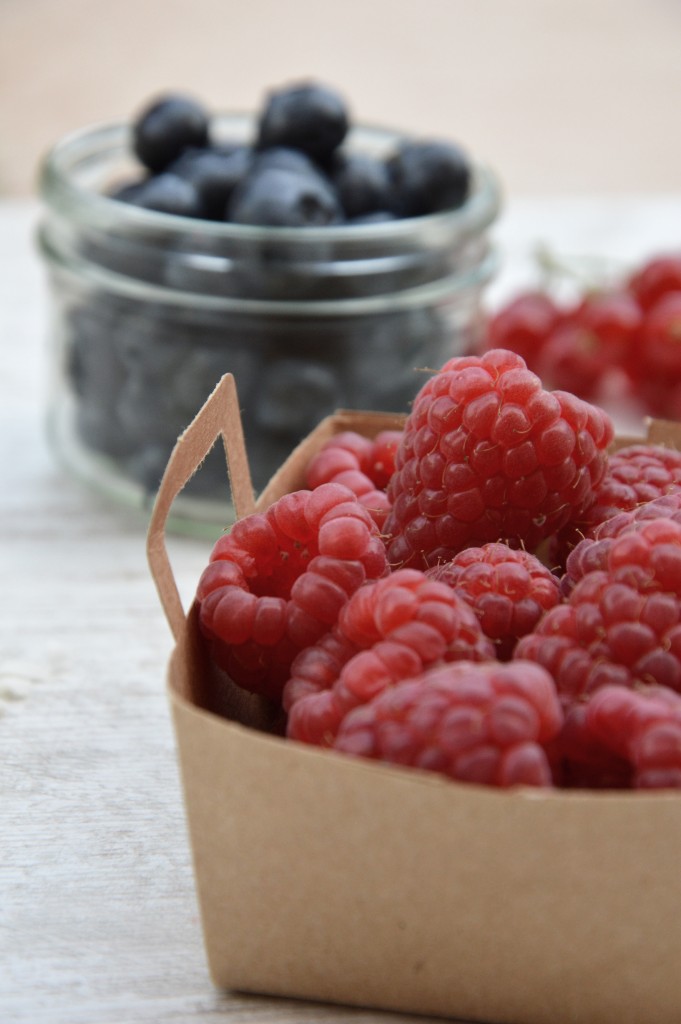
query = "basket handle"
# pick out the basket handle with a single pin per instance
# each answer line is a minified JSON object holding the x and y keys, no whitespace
{"x":219,"y":416}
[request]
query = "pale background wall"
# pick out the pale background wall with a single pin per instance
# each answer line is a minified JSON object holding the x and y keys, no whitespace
{"x":562,"y":97}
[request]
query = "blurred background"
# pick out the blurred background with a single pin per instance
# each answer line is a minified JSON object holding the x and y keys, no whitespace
{"x":563,"y":98}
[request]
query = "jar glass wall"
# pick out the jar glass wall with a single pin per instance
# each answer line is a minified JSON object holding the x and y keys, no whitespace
{"x":149,"y":310}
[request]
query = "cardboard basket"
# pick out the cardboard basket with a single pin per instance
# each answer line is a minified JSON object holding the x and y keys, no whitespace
{"x":325,"y":877}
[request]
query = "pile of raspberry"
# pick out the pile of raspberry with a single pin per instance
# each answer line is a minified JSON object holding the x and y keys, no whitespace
{"x":492,"y":593}
{"x":615,"y":345}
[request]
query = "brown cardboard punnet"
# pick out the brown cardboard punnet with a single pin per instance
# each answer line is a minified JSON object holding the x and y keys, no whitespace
{"x":321,"y":876}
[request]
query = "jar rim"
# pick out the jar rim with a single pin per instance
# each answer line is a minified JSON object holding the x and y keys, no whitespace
{"x":441,"y":290}
{"x":60,"y":190}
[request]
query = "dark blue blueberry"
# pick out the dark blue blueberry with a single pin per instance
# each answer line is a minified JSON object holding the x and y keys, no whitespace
{"x":214,"y":173}
{"x":305,"y":116}
{"x":168,"y":126}
{"x":168,"y":193}
{"x":294,"y":394}
{"x":146,"y":405}
{"x":128,"y":191}
{"x":363,"y":183}
{"x":378,"y":217}
{"x":389,"y":353}
{"x":282,"y":158}
{"x":281,"y":198}
{"x":96,"y":375}
{"x":429,"y":177}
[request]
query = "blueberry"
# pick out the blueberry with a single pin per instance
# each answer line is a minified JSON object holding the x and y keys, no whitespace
{"x":377,"y":217}
{"x":214,"y":173}
{"x":96,"y":375}
{"x":146,"y":405}
{"x":168,"y":193}
{"x":305,"y":116}
{"x":282,"y":198}
{"x":283,"y":158}
{"x":294,"y":394}
{"x":392,"y":350}
{"x":168,"y":126}
{"x":128,"y":191}
{"x":429,"y":177}
{"x":363,"y":183}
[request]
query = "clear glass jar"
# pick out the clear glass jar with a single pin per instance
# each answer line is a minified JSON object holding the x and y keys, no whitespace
{"x":149,"y":310}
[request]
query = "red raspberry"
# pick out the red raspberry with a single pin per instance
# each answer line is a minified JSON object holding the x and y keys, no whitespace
{"x":278,"y":580}
{"x":363,"y":465}
{"x":623,"y":738}
{"x":523,"y":325}
{"x":574,"y":358}
{"x":642,"y":728}
{"x":621,"y":624}
{"x":660,"y":352}
{"x":387,"y":631}
{"x":660,"y":395}
{"x":581,"y":761}
{"x":656,"y":278}
{"x":634,"y":475}
{"x":591,"y":553}
{"x":508,"y":590}
{"x":486,"y":724}
{"x":488,"y":455}
{"x":589,"y":351}
{"x":614,"y":318}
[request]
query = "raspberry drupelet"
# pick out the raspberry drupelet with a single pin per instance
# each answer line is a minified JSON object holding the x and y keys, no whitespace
{"x":276,"y":583}
{"x":481,"y":723}
{"x":509,"y":590}
{"x":488,"y":455}
{"x":387,"y":631}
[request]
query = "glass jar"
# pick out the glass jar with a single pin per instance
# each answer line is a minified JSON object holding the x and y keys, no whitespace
{"x":149,"y":310}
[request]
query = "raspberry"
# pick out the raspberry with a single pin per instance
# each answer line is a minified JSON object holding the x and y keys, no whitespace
{"x":387,"y":631}
{"x":661,"y":396}
{"x":643,"y":728}
{"x":508,"y":590}
{"x":637,"y":473}
{"x":581,"y":761}
{"x":523,"y":326}
{"x":614,"y":318}
{"x":660,"y":337}
{"x":591,"y":341}
{"x":278,"y":580}
{"x":656,"y":278}
{"x":634,"y":475}
{"x":485,"y":724}
{"x":621,"y":624}
{"x":363,"y":465}
{"x":591,"y":553}
{"x":488,"y":455}
{"x":575,"y":358}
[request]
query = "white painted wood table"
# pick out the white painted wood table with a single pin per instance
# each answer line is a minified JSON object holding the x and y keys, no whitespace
{"x":98,"y":920}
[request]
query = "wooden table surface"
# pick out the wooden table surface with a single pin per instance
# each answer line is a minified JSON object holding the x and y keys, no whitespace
{"x":98,"y":919}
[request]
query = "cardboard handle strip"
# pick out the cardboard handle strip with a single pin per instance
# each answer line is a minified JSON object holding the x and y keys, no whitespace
{"x":219,"y":416}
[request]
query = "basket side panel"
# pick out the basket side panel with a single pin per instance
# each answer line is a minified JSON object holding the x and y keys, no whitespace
{"x":327,"y":878}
